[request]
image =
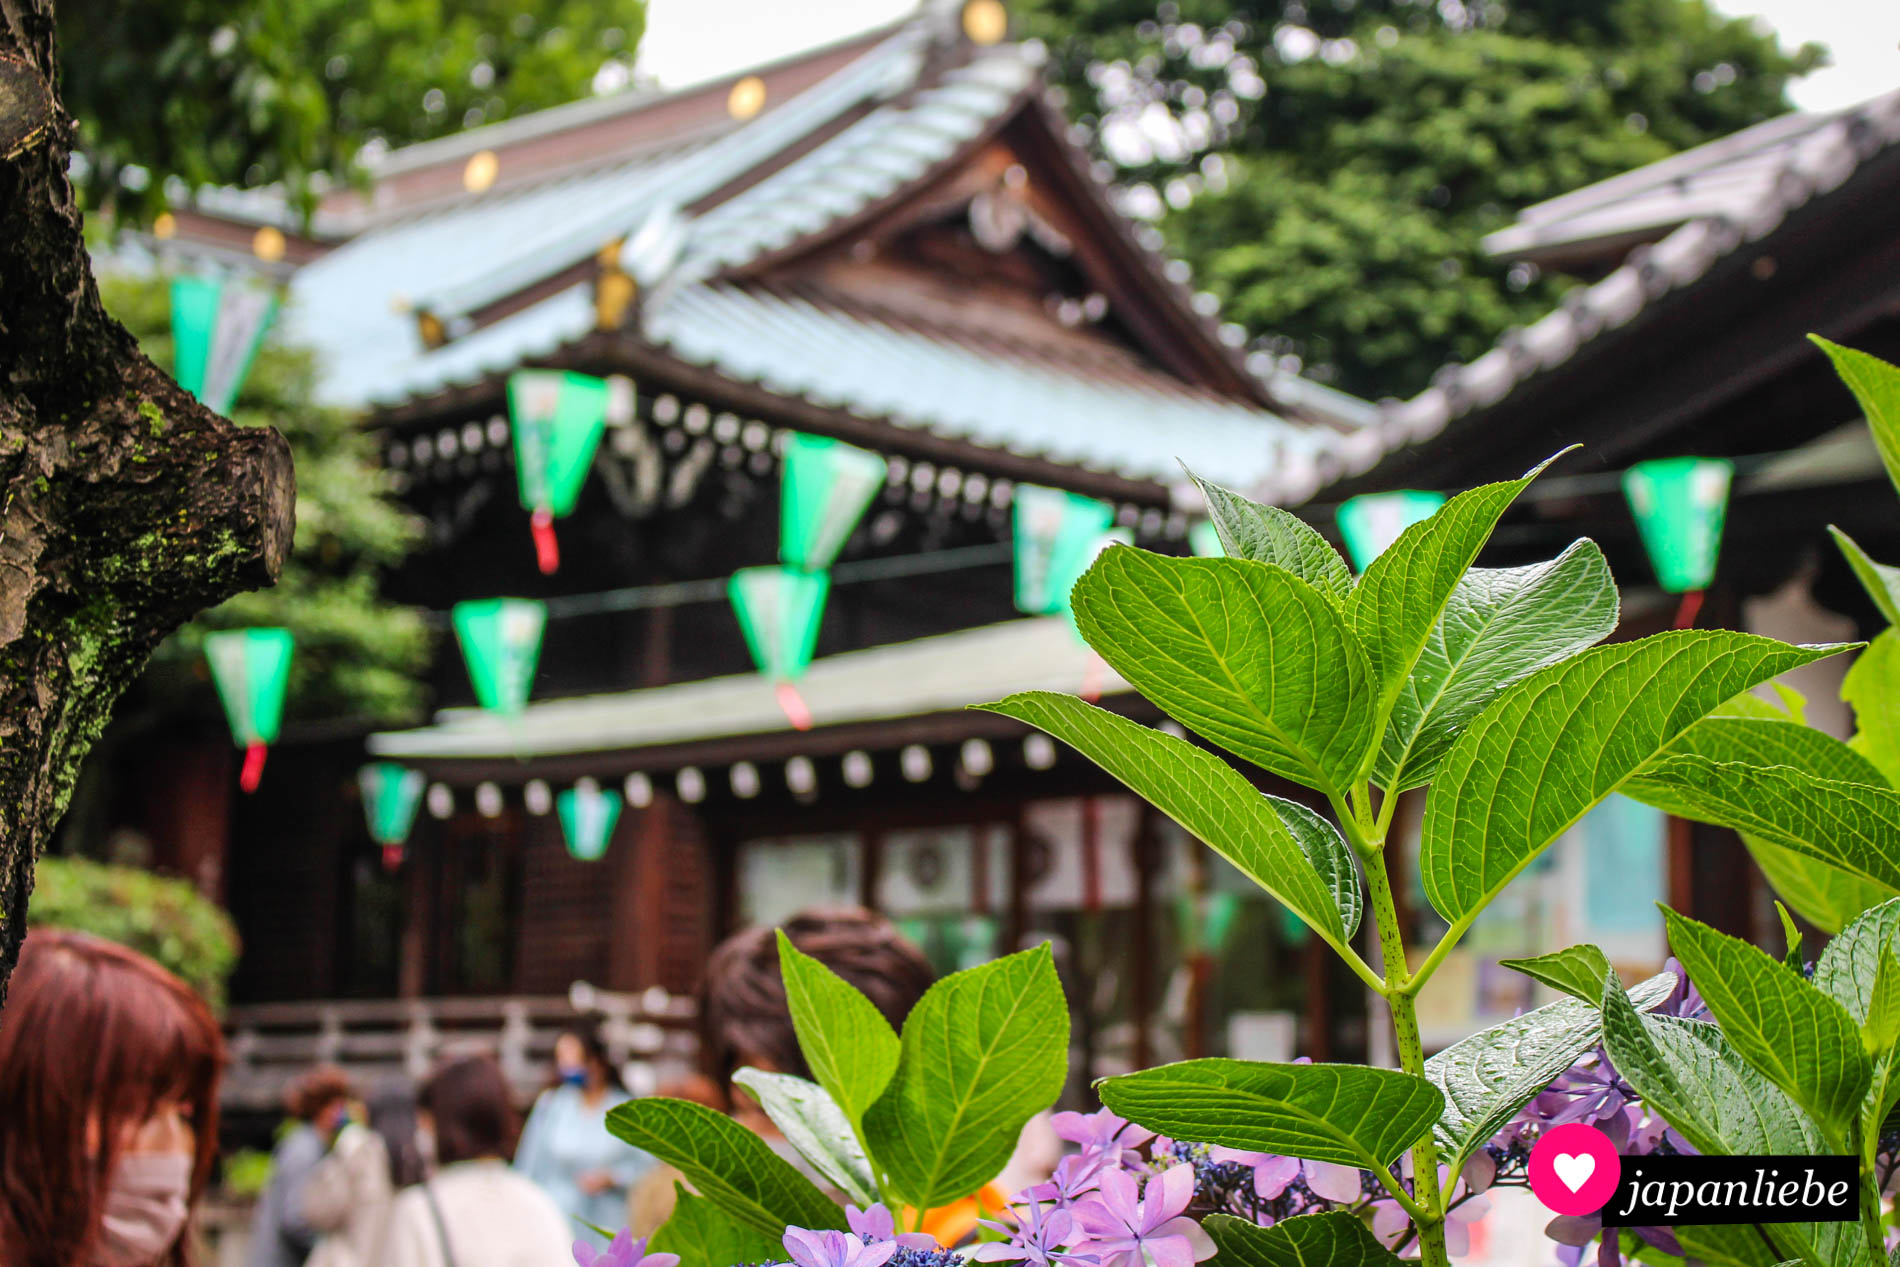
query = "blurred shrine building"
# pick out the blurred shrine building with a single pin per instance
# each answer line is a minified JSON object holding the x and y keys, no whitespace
{"x":894,"y":242}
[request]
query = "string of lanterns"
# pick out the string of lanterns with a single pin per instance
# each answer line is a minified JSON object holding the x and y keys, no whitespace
{"x":558,"y":418}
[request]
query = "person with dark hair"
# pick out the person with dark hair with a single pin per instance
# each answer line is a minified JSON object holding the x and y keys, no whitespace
{"x":475,"y":1211}
{"x":566,"y":1147}
{"x":748,"y":1022}
{"x":109,"y":1070}
{"x":346,"y":1198}
{"x":746,"y":1019}
{"x":319,"y":1104}
{"x":745,"y":1016}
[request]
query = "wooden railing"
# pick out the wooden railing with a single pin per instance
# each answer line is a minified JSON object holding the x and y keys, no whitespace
{"x":650,"y":1036}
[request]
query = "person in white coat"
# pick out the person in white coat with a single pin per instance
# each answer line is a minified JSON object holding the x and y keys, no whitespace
{"x":347,"y":1196}
{"x":476,"y":1210}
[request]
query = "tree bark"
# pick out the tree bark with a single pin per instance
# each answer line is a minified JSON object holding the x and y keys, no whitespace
{"x":125,"y":506}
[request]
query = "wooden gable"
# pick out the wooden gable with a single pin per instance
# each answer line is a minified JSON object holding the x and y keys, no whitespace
{"x":1015,"y":244}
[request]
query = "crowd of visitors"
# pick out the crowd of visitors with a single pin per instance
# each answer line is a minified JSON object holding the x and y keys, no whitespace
{"x":109,"y":1071}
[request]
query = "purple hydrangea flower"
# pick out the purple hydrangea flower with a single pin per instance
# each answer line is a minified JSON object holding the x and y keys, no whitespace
{"x":835,"y":1249}
{"x":625,"y":1251}
{"x":1333,"y":1182}
{"x":1040,"y":1237}
{"x":1127,"y":1232}
{"x":1075,"y":1177}
{"x":875,"y":1226}
{"x":1271,"y":1172}
{"x":1101,"y":1134}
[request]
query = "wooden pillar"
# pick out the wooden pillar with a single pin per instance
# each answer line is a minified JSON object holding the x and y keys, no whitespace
{"x":1200,"y":963}
{"x":664,"y":902}
{"x":870,"y":866}
{"x":656,"y":662}
{"x":412,"y":975}
{"x":184,"y":798}
{"x":1682,"y":866}
{"x":1018,"y":909}
{"x":1141,"y":948}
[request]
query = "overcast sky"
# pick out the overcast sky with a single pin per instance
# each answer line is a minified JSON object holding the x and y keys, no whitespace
{"x":690,"y":40}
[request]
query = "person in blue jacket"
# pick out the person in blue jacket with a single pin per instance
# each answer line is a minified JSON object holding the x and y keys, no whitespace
{"x":566,"y":1147}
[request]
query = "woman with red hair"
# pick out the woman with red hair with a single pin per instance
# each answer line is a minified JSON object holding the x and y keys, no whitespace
{"x":109,"y":1070}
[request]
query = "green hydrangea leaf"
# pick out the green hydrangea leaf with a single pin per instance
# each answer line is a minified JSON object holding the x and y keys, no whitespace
{"x":1554,"y":745}
{"x":1247,"y":654}
{"x":726,"y":1163}
{"x":1336,"y":1239}
{"x":1798,"y":1036}
{"x":851,"y":1048}
{"x":1267,"y":534}
{"x":1488,"y":1077}
{"x":983,"y":1051}
{"x":1500,"y":625}
{"x":1399,"y":600}
{"x":704,"y":1236}
{"x":1352,"y":1115}
{"x":812,"y":1122}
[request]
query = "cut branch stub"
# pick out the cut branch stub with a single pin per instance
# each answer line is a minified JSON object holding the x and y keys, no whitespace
{"x":26,"y":107}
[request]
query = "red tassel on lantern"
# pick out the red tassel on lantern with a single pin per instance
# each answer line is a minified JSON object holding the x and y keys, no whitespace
{"x":547,"y":553}
{"x":253,"y":767}
{"x":794,"y":706}
{"x":392,"y":857}
{"x":1691,"y":607}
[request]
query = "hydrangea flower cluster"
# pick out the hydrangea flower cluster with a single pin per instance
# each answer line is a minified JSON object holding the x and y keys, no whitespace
{"x":1128,"y":1198}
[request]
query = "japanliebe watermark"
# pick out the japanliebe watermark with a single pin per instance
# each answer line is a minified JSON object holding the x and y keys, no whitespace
{"x":1575,"y":1170}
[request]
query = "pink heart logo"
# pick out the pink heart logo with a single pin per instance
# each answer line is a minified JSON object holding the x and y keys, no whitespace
{"x":1574,"y":1169}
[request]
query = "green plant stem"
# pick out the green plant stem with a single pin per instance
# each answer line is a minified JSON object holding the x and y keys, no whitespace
{"x":1870,"y":1219}
{"x":1430,"y":1215}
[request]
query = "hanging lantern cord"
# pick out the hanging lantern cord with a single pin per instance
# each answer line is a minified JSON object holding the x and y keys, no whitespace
{"x":253,"y":767}
{"x":547,"y":553}
{"x":794,"y":705}
{"x":1691,"y":607}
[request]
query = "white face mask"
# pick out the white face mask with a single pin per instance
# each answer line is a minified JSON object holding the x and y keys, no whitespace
{"x":147,"y":1203}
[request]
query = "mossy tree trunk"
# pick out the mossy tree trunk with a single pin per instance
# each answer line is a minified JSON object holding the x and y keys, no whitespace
{"x":125,"y":506}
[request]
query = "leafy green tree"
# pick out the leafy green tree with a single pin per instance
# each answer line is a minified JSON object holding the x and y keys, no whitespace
{"x":164,"y":918}
{"x":1329,"y":167}
{"x":259,"y":91}
{"x":358,"y":656}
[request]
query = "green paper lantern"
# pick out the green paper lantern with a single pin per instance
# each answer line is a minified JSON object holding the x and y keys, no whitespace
{"x":391,"y":796}
{"x":1373,"y":522}
{"x":501,"y":644}
{"x":1057,"y":535}
{"x":1680,"y":505}
{"x":218,"y":324}
{"x":1204,"y":540}
{"x":824,"y":490}
{"x":251,"y":669}
{"x":779,"y":611}
{"x":558,"y":419}
{"x":588,"y":815}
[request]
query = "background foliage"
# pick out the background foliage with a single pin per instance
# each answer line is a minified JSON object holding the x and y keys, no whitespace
{"x":166,"y":919}
{"x":216,"y":92}
{"x":1328,"y":167}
